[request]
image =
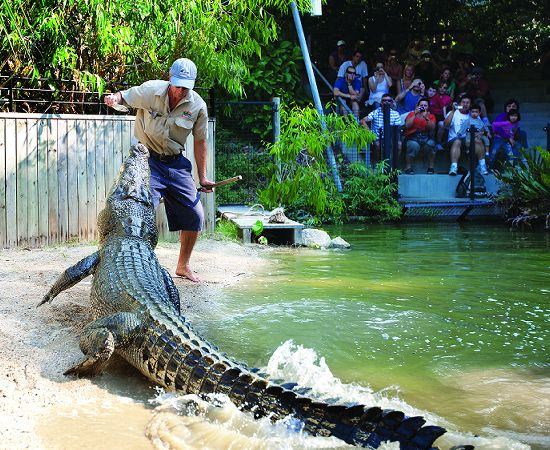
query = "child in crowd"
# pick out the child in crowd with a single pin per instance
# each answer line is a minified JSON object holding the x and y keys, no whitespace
{"x":506,"y":136}
{"x":439,"y":105}
{"x":483,"y":134}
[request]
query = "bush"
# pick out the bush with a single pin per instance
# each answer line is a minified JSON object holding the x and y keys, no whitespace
{"x":527,"y":185}
{"x":370,"y":192}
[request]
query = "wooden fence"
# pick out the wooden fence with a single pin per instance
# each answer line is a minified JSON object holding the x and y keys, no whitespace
{"x":55,"y":171}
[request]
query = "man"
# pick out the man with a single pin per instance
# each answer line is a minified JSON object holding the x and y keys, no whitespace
{"x":408,"y":98}
{"x":453,"y":122}
{"x":336,"y":58}
{"x":375,"y":119}
{"x":350,"y":90}
{"x":166,"y":113}
{"x":360,"y":66}
{"x":426,"y":69}
{"x":419,"y":131}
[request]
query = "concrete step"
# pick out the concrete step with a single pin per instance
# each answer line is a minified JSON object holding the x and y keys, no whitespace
{"x":514,"y":73}
{"x":441,"y":187}
{"x":538,"y":107}
{"x":499,"y":83}
{"x":523,"y":96}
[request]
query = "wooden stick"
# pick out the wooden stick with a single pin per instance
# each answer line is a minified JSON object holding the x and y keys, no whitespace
{"x":226,"y":181}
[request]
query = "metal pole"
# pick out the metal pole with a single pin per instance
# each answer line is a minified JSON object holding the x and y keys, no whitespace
{"x":276,"y":105}
{"x":472,"y":151}
{"x":395,"y":147}
{"x":387,"y":131}
{"x":314,"y":91}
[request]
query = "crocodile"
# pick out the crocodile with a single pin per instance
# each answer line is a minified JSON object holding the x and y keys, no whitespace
{"x":136,"y":314}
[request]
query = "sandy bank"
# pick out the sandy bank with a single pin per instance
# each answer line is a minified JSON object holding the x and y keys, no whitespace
{"x":38,"y":344}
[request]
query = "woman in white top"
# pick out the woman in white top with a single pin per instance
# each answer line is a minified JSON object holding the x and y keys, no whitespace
{"x":379,"y":84}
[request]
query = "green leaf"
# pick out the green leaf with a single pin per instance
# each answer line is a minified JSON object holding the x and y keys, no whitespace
{"x":258,"y":227}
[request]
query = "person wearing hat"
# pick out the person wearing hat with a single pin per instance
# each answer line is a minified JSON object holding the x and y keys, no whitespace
{"x":167,"y":112}
{"x":336,"y":58}
{"x":426,"y":69}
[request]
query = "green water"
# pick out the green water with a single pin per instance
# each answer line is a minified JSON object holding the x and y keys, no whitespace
{"x":454,"y":319}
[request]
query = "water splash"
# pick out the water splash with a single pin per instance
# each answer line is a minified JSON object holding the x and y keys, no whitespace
{"x":189,"y":422}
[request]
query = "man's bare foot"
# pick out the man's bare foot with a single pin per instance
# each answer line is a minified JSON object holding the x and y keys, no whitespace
{"x":186,"y":272}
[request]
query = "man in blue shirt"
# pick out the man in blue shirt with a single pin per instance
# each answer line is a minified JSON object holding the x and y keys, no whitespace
{"x":349,"y":88}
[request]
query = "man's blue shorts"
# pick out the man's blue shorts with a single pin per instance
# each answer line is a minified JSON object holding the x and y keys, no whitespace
{"x":173,"y":181}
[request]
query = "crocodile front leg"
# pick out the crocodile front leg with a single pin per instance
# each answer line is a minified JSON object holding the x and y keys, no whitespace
{"x":99,"y":340}
{"x":71,"y":276}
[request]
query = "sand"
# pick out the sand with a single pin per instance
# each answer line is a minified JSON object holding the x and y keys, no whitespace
{"x":38,"y":344}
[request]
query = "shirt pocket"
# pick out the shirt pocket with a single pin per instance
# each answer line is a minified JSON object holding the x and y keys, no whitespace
{"x":184,"y":123}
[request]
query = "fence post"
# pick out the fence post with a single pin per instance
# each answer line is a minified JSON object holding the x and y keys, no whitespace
{"x":10,"y":94}
{"x":472,"y":155}
{"x":212,"y":96}
{"x":276,"y":117}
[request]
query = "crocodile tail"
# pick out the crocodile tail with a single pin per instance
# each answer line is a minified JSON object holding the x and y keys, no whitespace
{"x":355,"y":424}
{"x":200,"y":370}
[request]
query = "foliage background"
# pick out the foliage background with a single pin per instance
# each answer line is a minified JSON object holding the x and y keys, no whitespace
{"x":504,"y":33}
{"x":121,"y":40}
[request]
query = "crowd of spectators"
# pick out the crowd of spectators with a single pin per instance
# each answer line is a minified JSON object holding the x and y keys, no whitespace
{"x":437,"y":95}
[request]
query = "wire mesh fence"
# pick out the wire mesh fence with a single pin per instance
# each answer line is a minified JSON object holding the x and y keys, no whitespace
{"x":243,"y":130}
{"x":58,"y":96}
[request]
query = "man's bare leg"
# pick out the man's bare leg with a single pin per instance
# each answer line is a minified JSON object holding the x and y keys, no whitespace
{"x":187,"y":242}
{"x":455,"y":150}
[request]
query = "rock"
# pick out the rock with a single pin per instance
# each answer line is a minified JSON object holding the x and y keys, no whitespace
{"x":313,"y":238}
{"x":338,"y":242}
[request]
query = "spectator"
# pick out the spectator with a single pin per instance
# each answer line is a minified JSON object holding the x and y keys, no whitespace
{"x":506,"y":137}
{"x":375,"y":121}
{"x":336,"y":58}
{"x":439,"y":107}
{"x":360,"y":66}
{"x":419,"y":130}
{"x":379,"y":84}
{"x":425,"y":68}
{"x":413,"y":51}
{"x":408,"y":98}
{"x":442,"y":56}
{"x":394,"y":69}
{"x":510,"y":105}
{"x":482,"y":134}
{"x":465,"y":67}
{"x":453,"y":122}
{"x":446,"y":76}
{"x":406,"y":81}
{"x":350,"y":90}
{"x":439,"y":101}
{"x":477,"y":88}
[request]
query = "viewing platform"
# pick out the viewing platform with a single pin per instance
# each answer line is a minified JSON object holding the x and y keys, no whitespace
{"x":431,"y":196}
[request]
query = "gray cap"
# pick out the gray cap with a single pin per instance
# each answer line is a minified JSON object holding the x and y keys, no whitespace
{"x":183,"y":73}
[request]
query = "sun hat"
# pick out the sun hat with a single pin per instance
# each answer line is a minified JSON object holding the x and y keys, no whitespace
{"x":340,"y":42}
{"x":183,"y":73}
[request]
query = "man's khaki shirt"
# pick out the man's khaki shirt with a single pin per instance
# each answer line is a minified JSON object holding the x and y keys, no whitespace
{"x":160,"y":129}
